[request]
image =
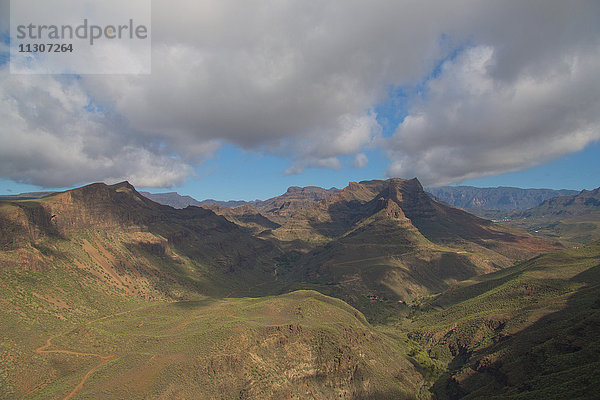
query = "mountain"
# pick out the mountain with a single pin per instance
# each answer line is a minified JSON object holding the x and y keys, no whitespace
{"x":107,"y":294}
{"x":117,"y":221}
{"x":176,"y":200}
{"x":280,"y":207}
{"x":24,"y":196}
{"x":574,"y":220}
{"x":317,"y":293}
{"x":246,"y":216}
{"x":172,"y":199}
{"x":391,"y":241}
{"x":499,"y":198}
{"x":531,"y":331}
{"x":582,"y":203}
{"x":221,"y":203}
{"x":295,"y":197}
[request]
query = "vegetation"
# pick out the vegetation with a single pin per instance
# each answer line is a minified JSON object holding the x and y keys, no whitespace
{"x":374,"y":291}
{"x":530,"y":331}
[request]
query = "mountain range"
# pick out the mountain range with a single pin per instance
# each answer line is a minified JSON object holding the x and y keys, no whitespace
{"x":376,"y":290}
{"x":499,"y":198}
{"x":571,"y":219}
{"x":466,"y":197}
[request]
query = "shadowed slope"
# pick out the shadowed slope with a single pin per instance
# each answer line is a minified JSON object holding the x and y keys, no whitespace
{"x":530,"y":331}
{"x":389,"y":240}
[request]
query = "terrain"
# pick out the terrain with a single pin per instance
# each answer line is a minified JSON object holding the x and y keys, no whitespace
{"x":530,"y":331}
{"x":473,"y":199}
{"x":24,"y":196}
{"x":101,"y":285}
{"x":383,"y":239}
{"x":573,"y":220}
{"x":176,"y":200}
{"x":500,"y":198}
{"x":292,"y":199}
{"x":373,"y":291}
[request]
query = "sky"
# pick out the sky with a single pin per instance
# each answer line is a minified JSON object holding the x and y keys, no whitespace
{"x":247,"y":98}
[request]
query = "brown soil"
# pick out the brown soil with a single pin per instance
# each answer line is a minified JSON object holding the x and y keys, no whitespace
{"x":103,"y":360}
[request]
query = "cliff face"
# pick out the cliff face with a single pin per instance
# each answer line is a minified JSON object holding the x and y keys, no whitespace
{"x":500,"y":198}
{"x":96,"y":206}
{"x":23,"y":225}
{"x":120,"y":210}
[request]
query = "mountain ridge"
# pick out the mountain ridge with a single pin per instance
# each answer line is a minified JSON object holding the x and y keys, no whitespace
{"x":498,"y":198}
{"x":155,"y":294}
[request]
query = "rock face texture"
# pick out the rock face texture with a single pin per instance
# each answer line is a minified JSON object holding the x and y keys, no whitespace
{"x":500,"y":198}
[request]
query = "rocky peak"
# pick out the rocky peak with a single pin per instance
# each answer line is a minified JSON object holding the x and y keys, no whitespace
{"x":409,"y":195}
{"x":99,"y":205}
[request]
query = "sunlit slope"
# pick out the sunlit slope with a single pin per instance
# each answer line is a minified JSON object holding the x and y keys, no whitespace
{"x":299,"y":345}
{"x":385,"y":242}
{"x":118,"y":236}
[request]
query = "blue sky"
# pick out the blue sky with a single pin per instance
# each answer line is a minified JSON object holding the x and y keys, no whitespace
{"x":269,"y":97}
{"x":237,"y":175}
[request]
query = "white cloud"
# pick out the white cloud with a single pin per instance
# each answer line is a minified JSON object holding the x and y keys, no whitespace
{"x":301,"y":80}
{"x":360,"y":160}
{"x":473,"y":124}
{"x":50,"y":140}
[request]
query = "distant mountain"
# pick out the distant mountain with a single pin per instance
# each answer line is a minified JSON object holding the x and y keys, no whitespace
{"x":25,"y":196}
{"x":295,"y":198}
{"x":575,"y":220}
{"x":499,"y":198}
{"x":584,"y":202}
{"x":222,"y":203}
{"x":176,"y":200}
{"x":172,"y":199}
{"x":262,"y":216}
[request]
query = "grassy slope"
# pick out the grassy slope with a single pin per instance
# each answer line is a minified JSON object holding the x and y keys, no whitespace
{"x":298,"y":345}
{"x":82,"y":309}
{"x":287,"y":346}
{"x":572,"y":231}
{"x":527,"y":332}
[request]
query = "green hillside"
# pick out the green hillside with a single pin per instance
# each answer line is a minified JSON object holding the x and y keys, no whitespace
{"x":298,"y":345}
{"x":527,"y":332}
{"x":372,"y":292}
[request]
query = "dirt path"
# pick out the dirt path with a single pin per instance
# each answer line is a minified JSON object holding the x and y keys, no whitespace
{"x":103,"y":360}
{"x":44,"y":349}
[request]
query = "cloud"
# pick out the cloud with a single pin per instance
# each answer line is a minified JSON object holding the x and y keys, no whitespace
{"x":471,"y":123}
{"x":360,"y":160}
{"x":302,"y":80}
{"x":48,"y":139}
{"x":348,"y":135}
